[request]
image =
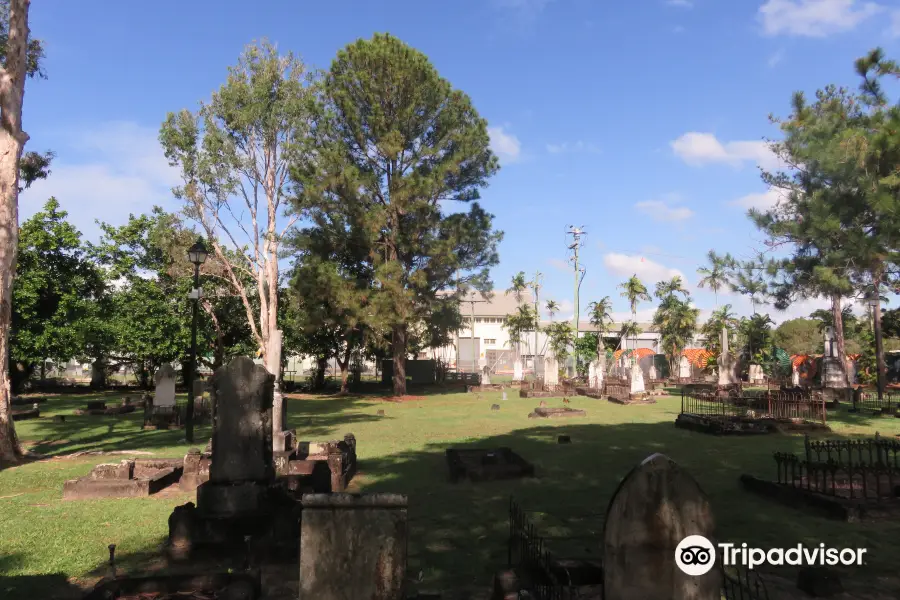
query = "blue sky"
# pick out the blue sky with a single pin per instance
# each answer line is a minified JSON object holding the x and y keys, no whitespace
{"x":641,"y":121}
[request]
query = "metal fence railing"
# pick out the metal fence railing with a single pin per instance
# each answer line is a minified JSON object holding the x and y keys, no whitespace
{"x":778,"y":405}
{"x":527,"y":550}
{"x":889,"y":402}
{"x":856,"y":469}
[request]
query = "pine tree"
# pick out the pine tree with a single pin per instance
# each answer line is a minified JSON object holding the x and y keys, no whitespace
{"x":392,"y":141}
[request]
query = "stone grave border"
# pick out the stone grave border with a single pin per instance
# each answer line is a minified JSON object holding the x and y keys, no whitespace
{"x":514,"y":466}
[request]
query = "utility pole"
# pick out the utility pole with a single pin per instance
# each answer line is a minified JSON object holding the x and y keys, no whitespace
{"x":576,"y":233}
{"x":536,"y":285}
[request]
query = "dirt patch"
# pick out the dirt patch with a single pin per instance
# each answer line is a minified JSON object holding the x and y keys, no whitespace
{"x":401,"y":398}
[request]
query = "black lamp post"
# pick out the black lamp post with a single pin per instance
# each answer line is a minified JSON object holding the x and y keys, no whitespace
{"x":196,"y":254}
{"x":875,"y":302}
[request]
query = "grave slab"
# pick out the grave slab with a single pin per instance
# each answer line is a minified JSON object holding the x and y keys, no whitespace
{"x":483,"y":464}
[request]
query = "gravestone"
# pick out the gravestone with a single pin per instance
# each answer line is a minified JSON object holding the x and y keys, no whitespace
{"x":164,"y":394}
{"x":551,"y":371}
{"x":518,"y":374}
{"x":684,"y":368}
{"x":353,"y":546}
{"x":795,"y":376}
{"x":199,"y":388}
{"x":655,"y":508}
{"x":486,"y":375}
{"x":834,"y":374}
{"x":637,"y":378}
{"x":727,"y":363}
{"x":242,"y":465}
{"x":652,"y":372}
{"x":755,"y":374}
{"x":592,"y":373}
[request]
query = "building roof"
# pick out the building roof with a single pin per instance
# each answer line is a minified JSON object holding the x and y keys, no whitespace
{"x":497,"y":304}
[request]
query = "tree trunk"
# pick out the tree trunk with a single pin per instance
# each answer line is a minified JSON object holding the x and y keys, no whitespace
{"x":345,"y":371}
{"x":837,"y":317}
{"x":98,"y":374}
{"x":321,"y":366}
{"x":399,"y":350}
{"x":12,"y":140}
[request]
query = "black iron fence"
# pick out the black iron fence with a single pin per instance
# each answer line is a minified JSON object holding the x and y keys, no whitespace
{"x":773,"y":405}
{"x":527,"y":550}
{"x":856,"y":469}
{"x":889,"y":402}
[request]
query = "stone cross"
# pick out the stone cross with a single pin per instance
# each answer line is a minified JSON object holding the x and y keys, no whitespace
{"x":164,"y":395}
{"x":242,"y":436}
{"x":656,"y":506}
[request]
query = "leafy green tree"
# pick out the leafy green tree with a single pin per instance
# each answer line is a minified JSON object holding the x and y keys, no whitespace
{"x":600,"y":315}
{"x":55,"y":285}
{"x":721,"y":318}
{"x":391,"y":142}
{"x":799,"y":336}
{"x":629,"y":329}
{"x":234,"y":156}
{"x":755,"y":337}
{"x":675,"y":319}
{"x":560,"y":338}
{"x":518,"y":286}
{"x":523,"y":320}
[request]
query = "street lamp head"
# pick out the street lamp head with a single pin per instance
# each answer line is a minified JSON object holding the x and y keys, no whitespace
{"x":197,"y":253}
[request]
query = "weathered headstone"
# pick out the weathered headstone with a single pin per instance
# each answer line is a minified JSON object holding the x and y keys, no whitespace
{"x":655,"y":508}
{"x":637,"y":378}
{"x":242,"y":464}
{"x":551,"y":371}
{"x":164,"y":394}
{"x":726,"y":363}
{"x":486,"y":375}
{"x":652,"y":374}
{"x":518,"y":374}
{"x":592,"y":373}
{"x":795,"y":376}
{"x":684,"y":367}
{"x":353,"y":546}
{"x":755,"y":374}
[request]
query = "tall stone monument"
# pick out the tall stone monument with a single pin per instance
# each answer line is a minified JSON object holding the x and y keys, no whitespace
{"x":637,"y":377}
{"x":834,"y":375}
{"x":795,"y":376}
{"x":656,"y":506}
{"x":726,"y":363}
{"x":592,"y":372}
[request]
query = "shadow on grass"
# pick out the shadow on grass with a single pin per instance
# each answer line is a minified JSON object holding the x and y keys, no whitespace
{"x":52,"y":586}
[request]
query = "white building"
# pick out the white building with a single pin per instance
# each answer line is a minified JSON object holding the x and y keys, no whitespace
{"x":484,"y":340}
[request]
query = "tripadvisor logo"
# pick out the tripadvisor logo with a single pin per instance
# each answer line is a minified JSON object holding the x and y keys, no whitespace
{"x":695,"y":555}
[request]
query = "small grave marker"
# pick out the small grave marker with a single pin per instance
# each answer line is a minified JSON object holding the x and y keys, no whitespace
{"x":380,"y":413}
{"x":495,"y":407}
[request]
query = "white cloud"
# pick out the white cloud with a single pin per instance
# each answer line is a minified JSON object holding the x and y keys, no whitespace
{"x":696,"y":148}
{"x":894,"y":30}
{"x":120,"y":169}
{"x":814,"y":18}
{"x":776,"y":58}
{"x":680,"y":3}
{"x":525,"y":11}
{"x":763,"y":201}
{"x":573,"y":147}
{"x":664,"y":210}
{"x":648,"y":271}
{"x":505,"y":145}
{"x":560,"y":265}
{"x":643,"y":315}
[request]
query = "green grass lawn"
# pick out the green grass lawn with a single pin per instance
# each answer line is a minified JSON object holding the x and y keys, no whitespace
{"x":458,"y":531}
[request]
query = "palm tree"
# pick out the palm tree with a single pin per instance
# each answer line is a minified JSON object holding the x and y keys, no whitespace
{"x":518,"y":286}
{"x":601,"y":316}
{"x":715,"y":276}
{"x":635,"y":291}
{"x":676,"y":321}
{"x":552,"y":308}
{"x":629,"y":329}
{"x":668,"y":289}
